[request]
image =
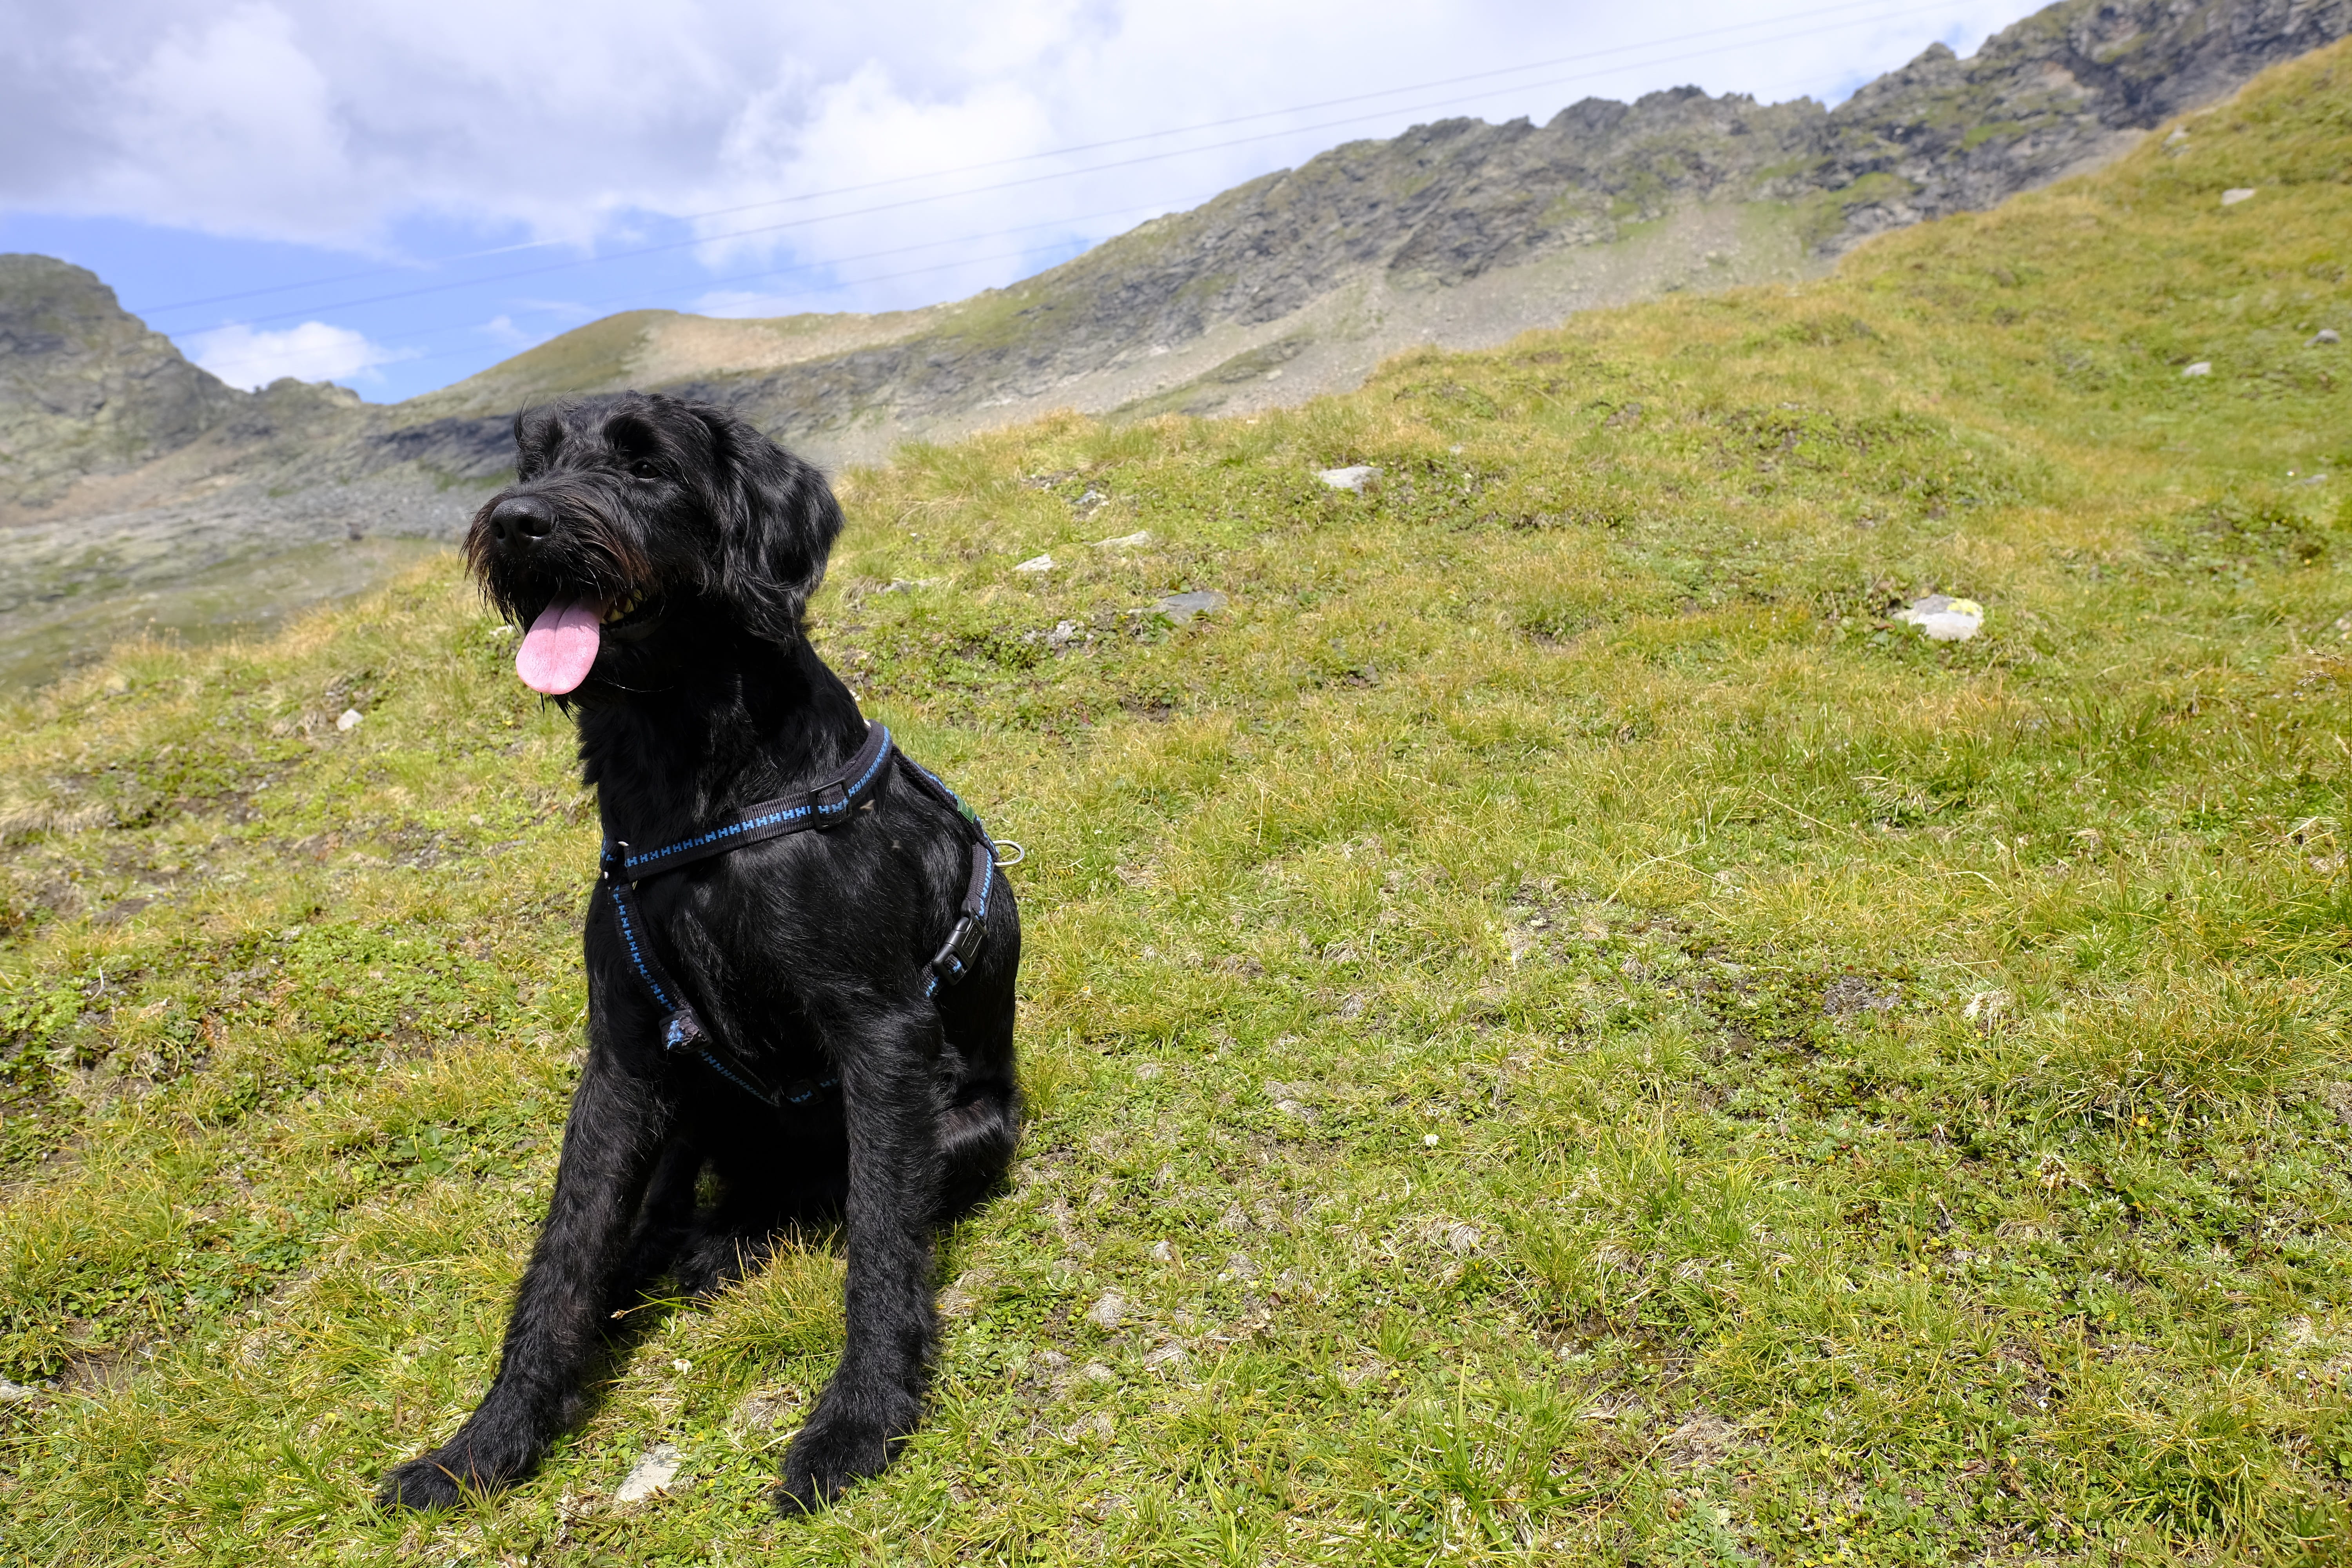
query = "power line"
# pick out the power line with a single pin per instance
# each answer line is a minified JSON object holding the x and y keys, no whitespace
{"x":1097,"y":146}
{"x":673,"y":245}
{"x":710,"y":283}
{"x":451,"y":353}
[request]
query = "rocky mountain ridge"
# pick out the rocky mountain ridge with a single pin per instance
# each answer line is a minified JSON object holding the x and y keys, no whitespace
{"x":1463,"y":233}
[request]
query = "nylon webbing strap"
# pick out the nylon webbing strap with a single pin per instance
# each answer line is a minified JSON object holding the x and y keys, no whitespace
{"x":827,"y":803}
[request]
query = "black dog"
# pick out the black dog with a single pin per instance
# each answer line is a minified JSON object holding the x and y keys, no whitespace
{"x":662,"y":553}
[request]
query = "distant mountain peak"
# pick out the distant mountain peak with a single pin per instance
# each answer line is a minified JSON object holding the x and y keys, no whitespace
{"x":85,"y":387}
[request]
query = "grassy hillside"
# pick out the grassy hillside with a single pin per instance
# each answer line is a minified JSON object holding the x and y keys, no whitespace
{"x":1559,"y":1033}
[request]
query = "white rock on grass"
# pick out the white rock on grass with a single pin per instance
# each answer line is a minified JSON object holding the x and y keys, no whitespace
{"x":1944,"y":618}
{"x":1354,"y":478}
{"x":1183,"y":607}
{"x":2237,"y":193}
{"x":655,"y":1472}
{"x":1135,"y":541}
{"x":16,"y":1392}
{"x":2325,"y":335}
{"x":1036,"y":564}
{"x":349,"y":721}
{"x":1108,"y":1312}
{"x":2202,"y":367}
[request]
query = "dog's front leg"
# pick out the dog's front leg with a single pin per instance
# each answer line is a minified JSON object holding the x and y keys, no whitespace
{"x":876,"y":1397}
{"x":613,"y":1134}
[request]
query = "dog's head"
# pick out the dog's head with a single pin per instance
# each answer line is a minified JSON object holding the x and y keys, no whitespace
{"x":642,"y":534}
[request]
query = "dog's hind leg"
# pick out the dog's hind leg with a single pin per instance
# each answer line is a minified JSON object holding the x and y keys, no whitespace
{"x":617,"y":1132}
{"x":980,"y":1125}
{"x":885,"y":1060}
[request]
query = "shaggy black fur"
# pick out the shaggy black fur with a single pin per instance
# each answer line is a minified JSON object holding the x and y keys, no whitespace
{"x":804,"y":954}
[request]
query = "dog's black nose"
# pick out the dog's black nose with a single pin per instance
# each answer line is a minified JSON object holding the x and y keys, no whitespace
{"x":519,"y":520}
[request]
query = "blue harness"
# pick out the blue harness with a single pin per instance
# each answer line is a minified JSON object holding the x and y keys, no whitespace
{"x":622,"y":869}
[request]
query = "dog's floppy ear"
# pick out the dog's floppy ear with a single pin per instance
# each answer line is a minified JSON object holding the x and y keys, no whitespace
{"x":777,"y":522}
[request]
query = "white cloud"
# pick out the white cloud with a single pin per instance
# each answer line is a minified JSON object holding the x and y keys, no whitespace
{"x":251,"y":357}
{"x":578,"y":120}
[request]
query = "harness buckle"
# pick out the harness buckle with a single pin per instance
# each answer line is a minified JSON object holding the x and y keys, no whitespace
{"x":610,"y":860}
{"x":962,"y":943}
{"x":682,"y":1031}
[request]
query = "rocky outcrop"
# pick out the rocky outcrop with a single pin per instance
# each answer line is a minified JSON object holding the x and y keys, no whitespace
{"x":84,"y":386}
{"x":2065,"y":88}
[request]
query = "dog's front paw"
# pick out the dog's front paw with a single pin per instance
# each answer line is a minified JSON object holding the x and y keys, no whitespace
{"x":427,"y":1483}
{"x":826,"y":1458}
{"x":441,"y":1479}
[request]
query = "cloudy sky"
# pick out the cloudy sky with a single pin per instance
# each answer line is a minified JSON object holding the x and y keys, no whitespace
{"x":396,"y":195}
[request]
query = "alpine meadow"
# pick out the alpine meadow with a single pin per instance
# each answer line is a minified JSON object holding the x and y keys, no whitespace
{"x":1558,"y":1029}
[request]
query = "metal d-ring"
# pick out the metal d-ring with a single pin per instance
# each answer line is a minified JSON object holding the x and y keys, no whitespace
{"x":1019,"y":853}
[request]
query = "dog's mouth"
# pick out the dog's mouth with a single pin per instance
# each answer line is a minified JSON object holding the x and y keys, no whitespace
{"x":561,"y":646}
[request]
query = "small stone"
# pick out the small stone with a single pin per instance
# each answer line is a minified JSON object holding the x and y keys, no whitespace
{"x":350,"y":720}
{"x":1109,"y":1311}
{"x":1461,"y":1237}
{"x":909,"y":585}
{"x":1097,"y":1372}
{"x":2325,"y":335}
{"x":655,"y":1472}
{"x":2202,"y":367}
{"x":1161,"y":1252}
{"x":1166,"y":1358}
{"x":1183,"y":607}
{"x":16,"y":1392}
{"x":1036,"y":564}
{"x":1135,"y":541}
{"x":2179,"y":134}
{"x":1944,"y":618}
{"x":1351,"y":478}
{"x":2237,"y":193}
{"x":1429,"y":1141}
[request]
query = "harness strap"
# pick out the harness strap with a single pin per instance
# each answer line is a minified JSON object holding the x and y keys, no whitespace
{"x":682,"y":1029}
{"x":827,"y":803}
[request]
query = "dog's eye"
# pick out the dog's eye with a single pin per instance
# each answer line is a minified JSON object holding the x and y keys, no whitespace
{"x":645,"y":469}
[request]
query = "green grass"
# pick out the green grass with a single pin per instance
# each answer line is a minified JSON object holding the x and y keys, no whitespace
{"x":1574,"y":1037}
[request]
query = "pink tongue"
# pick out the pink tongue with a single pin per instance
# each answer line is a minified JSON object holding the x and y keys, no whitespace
{"x":558,"y":648}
